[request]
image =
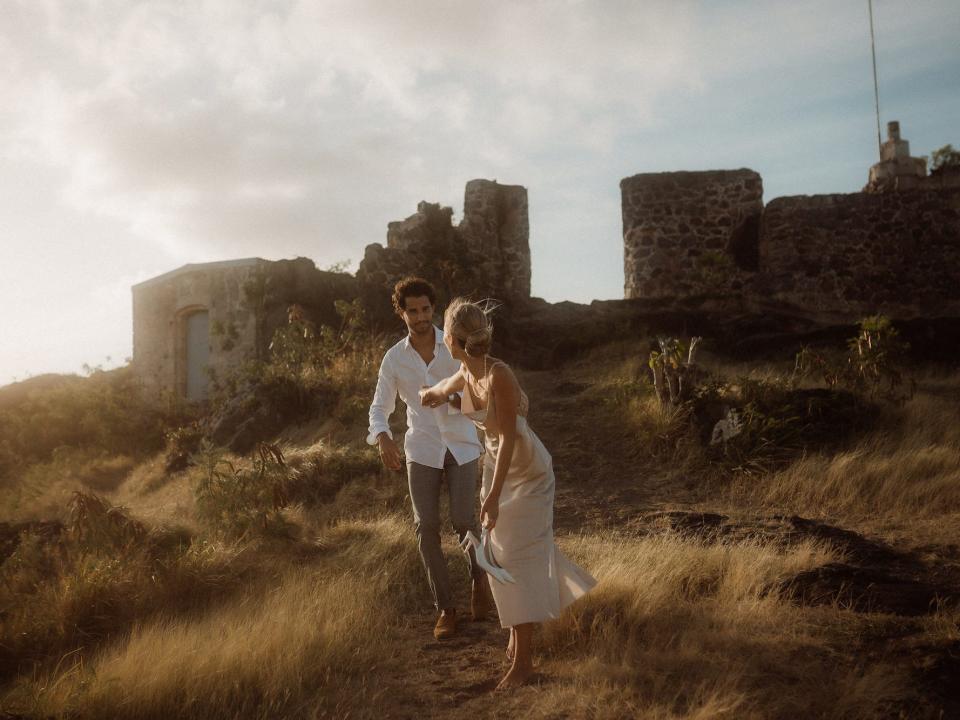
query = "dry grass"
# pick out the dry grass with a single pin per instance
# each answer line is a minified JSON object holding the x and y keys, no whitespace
{"x":100,"y":413}
{"x":906,"y":470}
{"x":79,"y":591}
{"x":659,"y":432}
{"x":302,"y":646}
{"x":682,"y":629}
{"x":313,"y":624}
{"x":43,"y":488}
{"x":677,"y":628}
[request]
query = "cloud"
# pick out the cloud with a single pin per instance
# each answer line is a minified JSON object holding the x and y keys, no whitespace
{"x":223,"y":129}
{"x":135,"y":137}
{"x":223,"y":126}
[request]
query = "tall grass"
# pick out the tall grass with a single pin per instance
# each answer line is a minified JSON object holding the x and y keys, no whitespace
{"x":906,"y":470}
{"x":310,"y":644}
{"x":125,"y":618}
{"x":103,"y":412}
{"x":43,"y":489}
{"x":102,"y":573}
{"x":803,"y":450}
{"x":679,"y":628}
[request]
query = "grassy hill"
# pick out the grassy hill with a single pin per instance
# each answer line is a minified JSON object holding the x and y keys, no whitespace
{"x":807,"y":569}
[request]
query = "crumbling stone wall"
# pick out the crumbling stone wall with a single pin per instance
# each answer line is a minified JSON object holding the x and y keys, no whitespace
{"x":496,"y":227}
{"x":690,"y":233}
{"x":840,"y":257}
{"x":486,"y":255}
{"x":829,"y":258}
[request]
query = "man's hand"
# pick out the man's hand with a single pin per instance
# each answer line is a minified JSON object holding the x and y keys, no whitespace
{"x":389,"y":452}
{"x":489,"y":511}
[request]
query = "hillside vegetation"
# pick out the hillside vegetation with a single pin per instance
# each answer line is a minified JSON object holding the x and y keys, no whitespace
{"x":806,"y":566}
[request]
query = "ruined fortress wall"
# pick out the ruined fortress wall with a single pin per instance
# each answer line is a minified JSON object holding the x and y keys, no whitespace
{"x":690,"y":233}
{"x":486,"y":255}
{"x":833,"y":258}
{"x":846,"y":256}
{"x":496,"y":226}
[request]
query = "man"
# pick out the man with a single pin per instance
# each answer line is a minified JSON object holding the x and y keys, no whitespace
{"x":440,"y":444}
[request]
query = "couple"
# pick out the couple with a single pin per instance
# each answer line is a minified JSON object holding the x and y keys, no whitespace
{"x":450,"y":384}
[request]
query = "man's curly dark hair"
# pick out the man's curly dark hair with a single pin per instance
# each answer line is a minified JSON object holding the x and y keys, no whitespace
{"x":412,"y":286}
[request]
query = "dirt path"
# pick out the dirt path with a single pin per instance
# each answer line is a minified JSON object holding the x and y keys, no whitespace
{"x":602,"y":483}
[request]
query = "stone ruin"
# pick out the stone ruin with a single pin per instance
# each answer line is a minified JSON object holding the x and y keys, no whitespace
{"x":703,"y":255}
{"x":690,"y":233}
{"x":486,"y":256}
{"x":706,"y":239}
{"x":198,"y":322}
{"x":897,"y":170}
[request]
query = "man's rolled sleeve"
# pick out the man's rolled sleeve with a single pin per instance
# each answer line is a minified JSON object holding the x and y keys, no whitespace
{"x":384,"y":402}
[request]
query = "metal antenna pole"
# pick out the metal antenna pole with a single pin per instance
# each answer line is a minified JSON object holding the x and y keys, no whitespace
{"x":876,"y":87}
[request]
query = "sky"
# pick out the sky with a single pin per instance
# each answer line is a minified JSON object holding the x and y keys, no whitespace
{"x":136,"y":137}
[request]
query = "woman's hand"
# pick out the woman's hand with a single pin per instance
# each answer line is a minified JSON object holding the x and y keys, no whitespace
{"x":432,"y":397}
{"x":489,"y":511}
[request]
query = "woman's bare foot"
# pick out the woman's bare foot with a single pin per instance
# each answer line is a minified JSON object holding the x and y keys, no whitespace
{"x":520,"y":651}
{"x":515,"y":677}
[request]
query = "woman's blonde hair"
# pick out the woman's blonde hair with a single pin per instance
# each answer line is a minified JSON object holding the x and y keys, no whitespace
{"x":469,"y":324}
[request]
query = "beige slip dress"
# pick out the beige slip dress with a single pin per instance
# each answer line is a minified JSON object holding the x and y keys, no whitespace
{"x":522,"y":540}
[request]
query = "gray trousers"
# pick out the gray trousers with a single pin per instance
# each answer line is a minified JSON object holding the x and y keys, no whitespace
{"x":425,"y":496}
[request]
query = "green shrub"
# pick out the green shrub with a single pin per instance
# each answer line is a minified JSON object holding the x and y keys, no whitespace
{"x":97,"y":526}
{"x":311,"y":369}
{"x":944,"y":157}
{"x":874,"y":363}
{"x":674,"y":370}
{"x":778,"y":422}
{"x":239,"y":501}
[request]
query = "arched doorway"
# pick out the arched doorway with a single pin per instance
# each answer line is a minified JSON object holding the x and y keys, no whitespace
{"x":193,"y":355}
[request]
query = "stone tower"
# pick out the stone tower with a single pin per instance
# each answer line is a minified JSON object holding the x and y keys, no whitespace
{"x":496,"y":227}
{"x":486,"y":256}
{"x":896,"y":169}
{"x":690,"y":233}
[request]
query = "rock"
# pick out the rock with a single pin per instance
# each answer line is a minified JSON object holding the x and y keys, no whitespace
{"x":262,"y":411}
{"x":862,"y":589}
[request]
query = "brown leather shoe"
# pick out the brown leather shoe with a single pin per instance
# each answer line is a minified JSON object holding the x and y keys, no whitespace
{"x":446,"y":626}
{"x":481,"y":603}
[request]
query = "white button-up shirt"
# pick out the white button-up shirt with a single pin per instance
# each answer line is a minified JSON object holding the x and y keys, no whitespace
{"x":431,"y":431}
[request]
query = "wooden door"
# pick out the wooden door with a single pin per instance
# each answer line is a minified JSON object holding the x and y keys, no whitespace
{"x":198,"y":354}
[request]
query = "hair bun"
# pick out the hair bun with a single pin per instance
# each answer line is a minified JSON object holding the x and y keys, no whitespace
{"x":469,"y":323}
{"x":478,"y":342}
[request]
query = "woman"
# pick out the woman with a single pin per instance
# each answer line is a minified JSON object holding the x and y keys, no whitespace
{"x":518,"y":487}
